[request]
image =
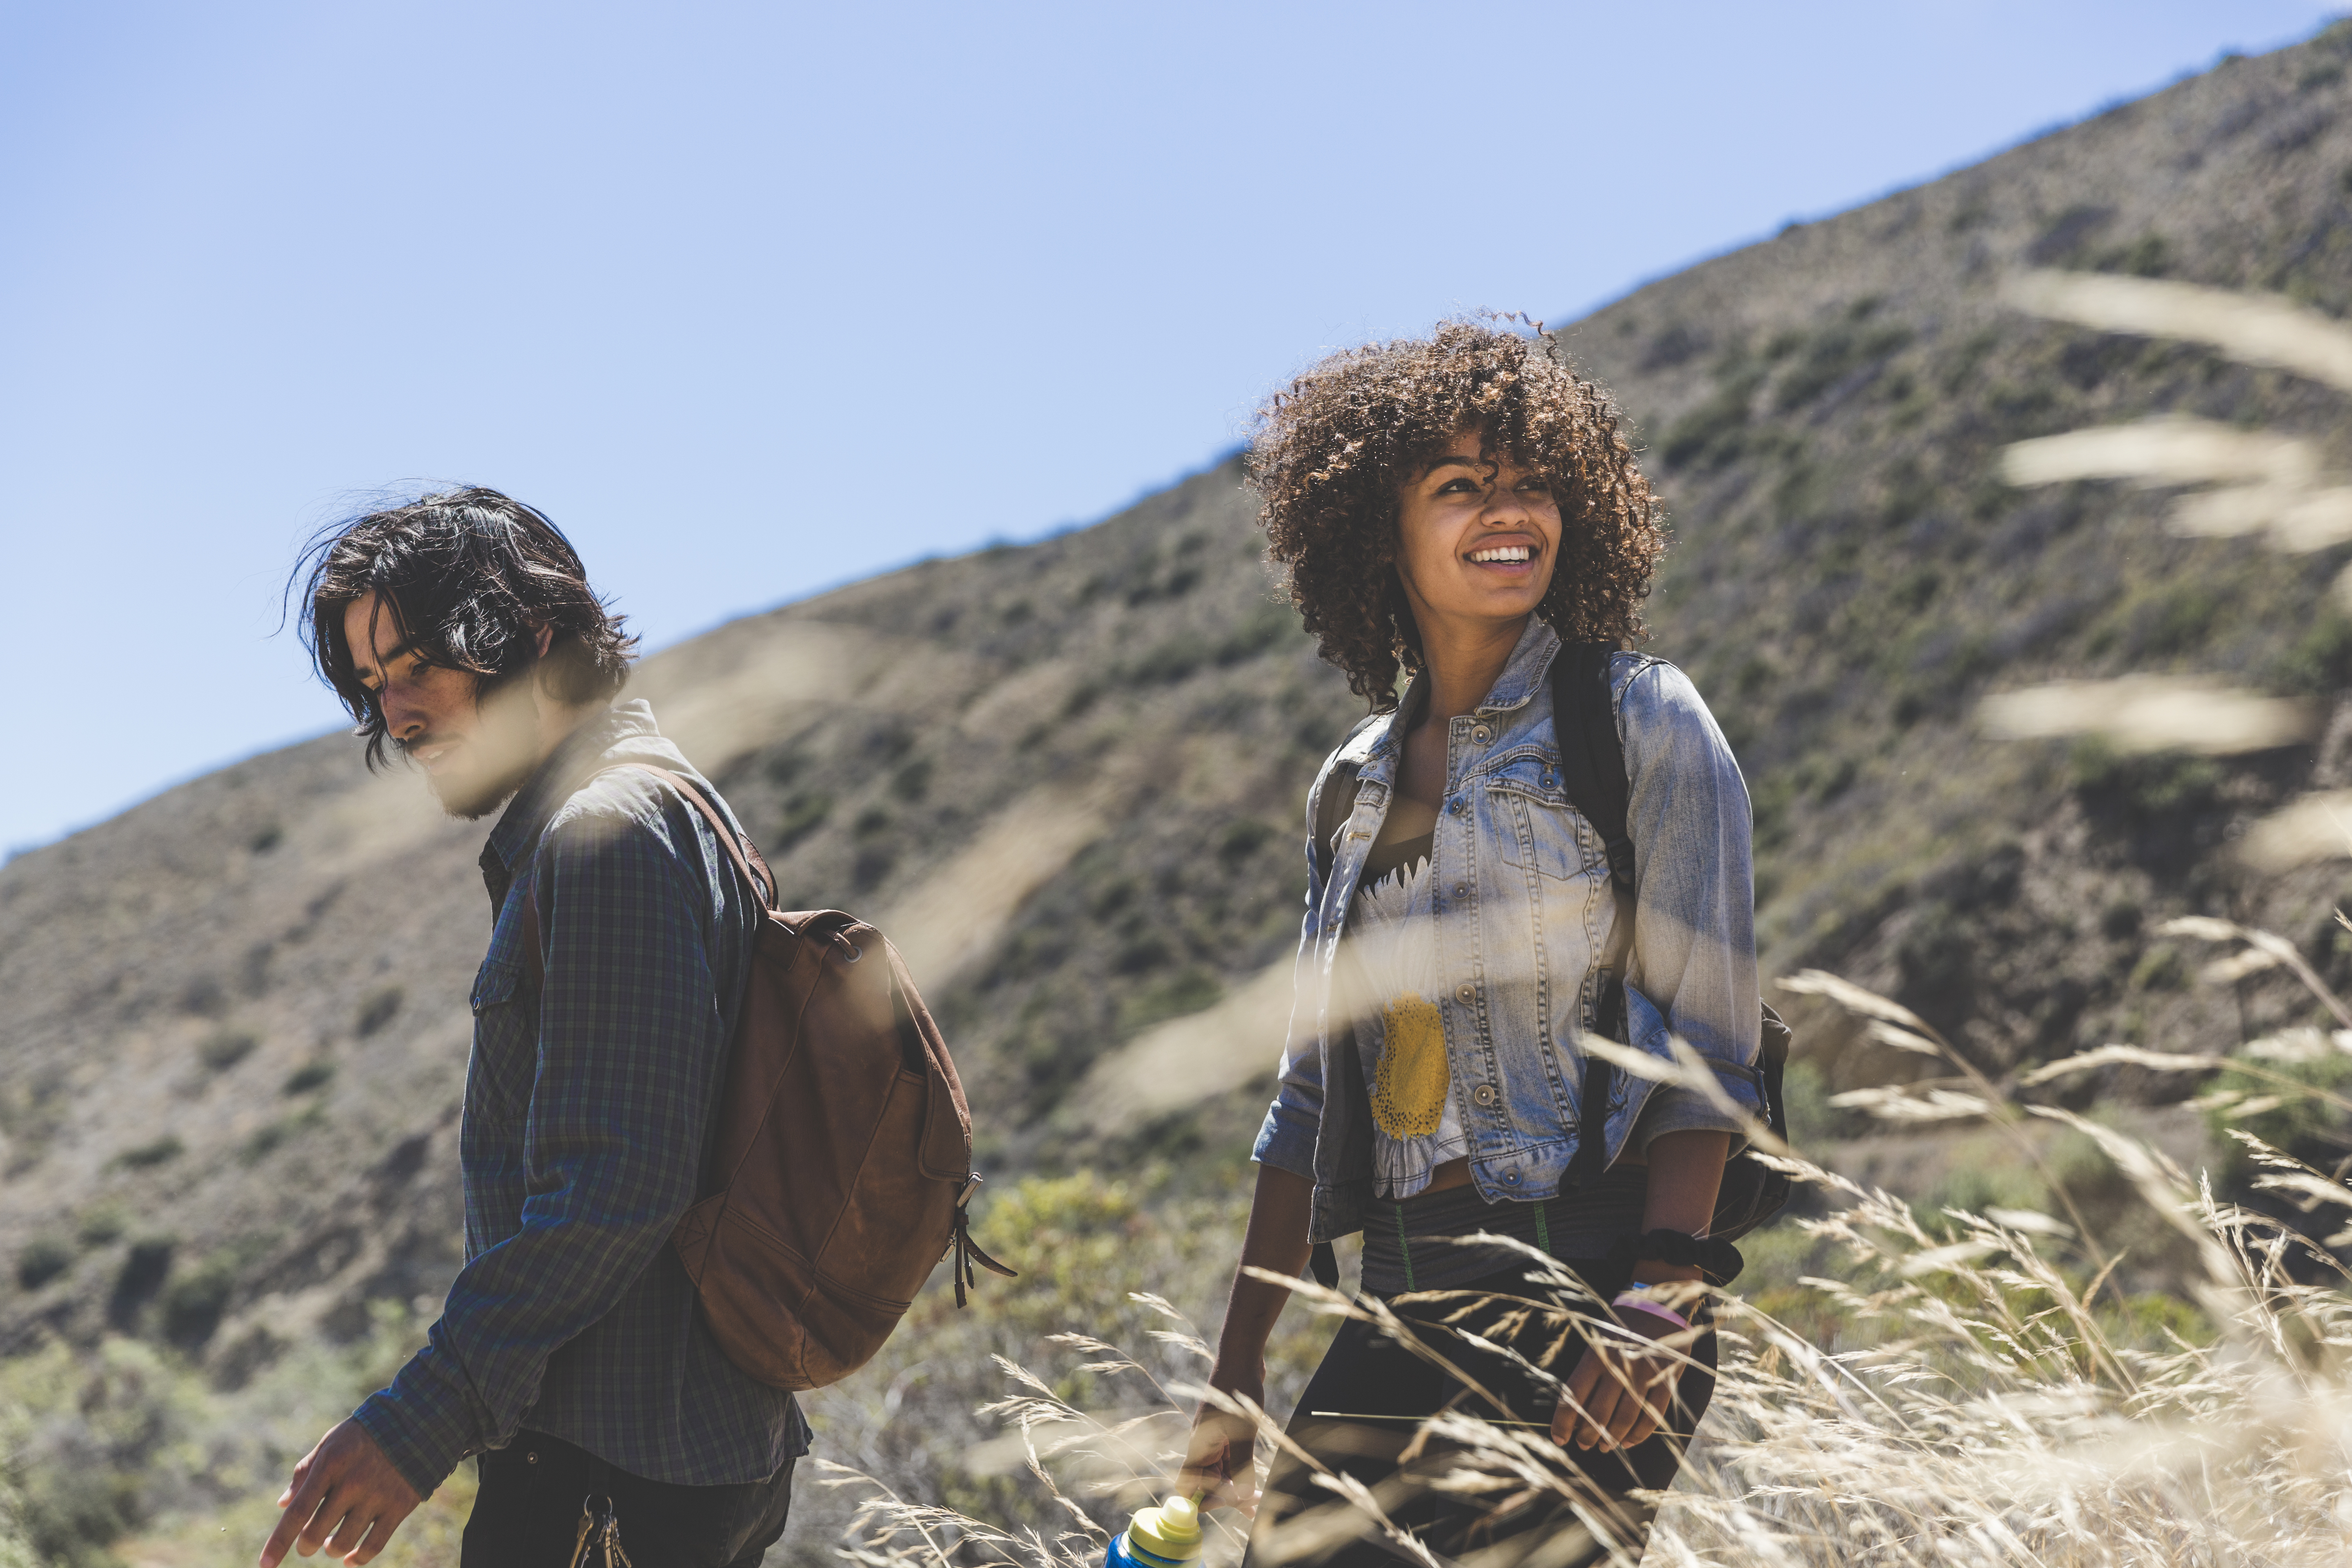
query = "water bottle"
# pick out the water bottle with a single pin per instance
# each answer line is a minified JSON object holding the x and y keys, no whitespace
{"x":1168,"y":1536}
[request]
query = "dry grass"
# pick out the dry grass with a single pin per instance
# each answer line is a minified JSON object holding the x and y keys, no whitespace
{"x":1971,"y":1391}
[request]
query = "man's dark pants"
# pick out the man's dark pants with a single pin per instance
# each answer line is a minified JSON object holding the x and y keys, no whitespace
{"x":526,"y":1514}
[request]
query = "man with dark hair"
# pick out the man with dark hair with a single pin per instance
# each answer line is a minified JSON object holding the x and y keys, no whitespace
{"x":570,"y":1359}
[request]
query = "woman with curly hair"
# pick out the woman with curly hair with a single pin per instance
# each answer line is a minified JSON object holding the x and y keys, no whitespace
{"x":1464,"y":511}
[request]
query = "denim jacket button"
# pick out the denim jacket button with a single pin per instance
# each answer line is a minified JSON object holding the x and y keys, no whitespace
{"x":1467,"y":993}
{"x":1483,"y":1094}
{"x":1511,"y":1178}
{"x":1461,"y":890}
{"x":1482,"y":734}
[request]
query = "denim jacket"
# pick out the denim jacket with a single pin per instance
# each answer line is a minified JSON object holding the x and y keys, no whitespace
{"x":1526,"y":920}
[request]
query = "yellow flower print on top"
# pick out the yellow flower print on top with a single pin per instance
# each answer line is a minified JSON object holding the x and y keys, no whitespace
{"x":1409,"y":1089}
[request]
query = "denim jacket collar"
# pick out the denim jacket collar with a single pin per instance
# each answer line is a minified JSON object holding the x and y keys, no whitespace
{"x":1523,"y":677}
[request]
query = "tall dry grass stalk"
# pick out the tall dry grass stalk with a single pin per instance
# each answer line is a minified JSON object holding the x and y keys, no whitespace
{"x":1972,"y":1391}
{"x":2233,"y":482}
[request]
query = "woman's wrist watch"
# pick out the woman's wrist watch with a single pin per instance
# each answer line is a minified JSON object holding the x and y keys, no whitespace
{"x":1718,"y":1262}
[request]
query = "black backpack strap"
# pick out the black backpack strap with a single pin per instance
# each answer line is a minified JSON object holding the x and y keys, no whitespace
{"x":1323,"y":1264}
{"x":1333,"y":806}
{"x":1335,"y":802}
{"x":1593,"y":773}
{"x":1591,"y":756}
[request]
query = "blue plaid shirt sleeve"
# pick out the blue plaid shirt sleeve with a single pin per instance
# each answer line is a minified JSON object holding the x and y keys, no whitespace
{"x":630,"y":1051}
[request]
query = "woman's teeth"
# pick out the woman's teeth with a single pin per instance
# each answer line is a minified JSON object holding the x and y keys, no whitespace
{"x":1501,"y":553}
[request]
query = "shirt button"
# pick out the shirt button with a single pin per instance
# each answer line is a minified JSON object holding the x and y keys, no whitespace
{"x":1467,"y":993}
{"x":1483,"y":1094}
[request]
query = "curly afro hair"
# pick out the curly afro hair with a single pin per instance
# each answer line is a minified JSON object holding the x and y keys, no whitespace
{"x":1332,"y":451}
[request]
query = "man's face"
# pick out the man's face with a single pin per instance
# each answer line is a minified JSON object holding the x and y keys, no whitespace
{"x":474,"y":752}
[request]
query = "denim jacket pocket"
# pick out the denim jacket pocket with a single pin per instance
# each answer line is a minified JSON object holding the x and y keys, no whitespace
{"x":1538,"y":829}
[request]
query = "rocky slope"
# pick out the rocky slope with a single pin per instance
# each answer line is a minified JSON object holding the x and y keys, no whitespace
{"x":1068,"y":774}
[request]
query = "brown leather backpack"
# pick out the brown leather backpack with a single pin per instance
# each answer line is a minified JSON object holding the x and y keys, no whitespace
{"x":840,"y":1165}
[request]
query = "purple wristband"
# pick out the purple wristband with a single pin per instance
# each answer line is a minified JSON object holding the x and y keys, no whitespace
{"x":1643,"y":1303}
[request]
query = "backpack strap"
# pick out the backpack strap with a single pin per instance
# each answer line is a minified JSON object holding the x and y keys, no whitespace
{"x":1335,"y":802}
{"x":1333,"y":806}
{"x":1591,"y":754}
{"x":1593,"y":773}
{"x":740,"y":850}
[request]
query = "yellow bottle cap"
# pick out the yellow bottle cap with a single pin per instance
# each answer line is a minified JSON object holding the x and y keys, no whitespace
{"x":1172,"y":1531}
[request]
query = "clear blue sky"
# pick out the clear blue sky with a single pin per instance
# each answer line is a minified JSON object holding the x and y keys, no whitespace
{"x":755,"y":300}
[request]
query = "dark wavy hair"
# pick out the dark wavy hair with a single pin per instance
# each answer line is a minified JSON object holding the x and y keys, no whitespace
{"x":470,"y":577}
{"x":1331,"y":450}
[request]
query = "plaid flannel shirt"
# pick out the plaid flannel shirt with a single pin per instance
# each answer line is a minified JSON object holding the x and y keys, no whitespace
{"x":589,"y":1097}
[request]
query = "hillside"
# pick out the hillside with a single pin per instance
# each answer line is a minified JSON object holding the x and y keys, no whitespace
{"x":1068,"y":774}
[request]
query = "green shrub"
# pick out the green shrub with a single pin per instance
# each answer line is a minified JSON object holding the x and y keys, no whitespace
{"x":144,"y":1269}
{"x":266,"y":1140}
{"x":43,"y":1260}
{"x":147,"y":1156}
{"x":84,"y":1464}
{"x":913,"y":782}
{"x":1978,"y":1188}
{"x":1812,"y":1119}
{"x":308,"y":1077}
{"x":193,"y":1303}
{"x":803,"y":814}
{"x":2302,"y":1125}
{"x":1187,"y":991}
{"x":1263,"y":629}
{"x":1170,"y":661}
{"x":1241,"y":838}
{"x":1831,"y":356}
{"x":2149,"y":255}
{"x":378,"y":1008}
{"x":103,"y":1223}
{"x":2146,"y":786}
{"x":224,"y":1047}
{"x":2160,"y":968}
{"x":2319,"y":661}
{"x":1709,"y":434}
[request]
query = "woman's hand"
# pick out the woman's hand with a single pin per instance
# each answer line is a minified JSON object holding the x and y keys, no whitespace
{"x":1220,"y":1463}
{"x":1221,"y":1456}
{"x":1623,"y":1386}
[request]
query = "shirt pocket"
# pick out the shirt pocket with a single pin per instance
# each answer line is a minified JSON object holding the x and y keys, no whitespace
{"x":506,"y":1042}
{"x":1533,"y":826}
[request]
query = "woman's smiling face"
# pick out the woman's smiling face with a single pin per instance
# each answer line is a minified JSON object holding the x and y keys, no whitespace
{"x":1476,"y":537}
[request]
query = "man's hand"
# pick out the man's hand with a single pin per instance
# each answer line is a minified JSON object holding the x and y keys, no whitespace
{"x":345,"y":1496}
{"x":1623,"y":1387}
{"x":1220,"y":1458}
